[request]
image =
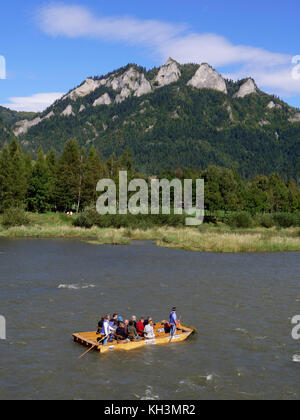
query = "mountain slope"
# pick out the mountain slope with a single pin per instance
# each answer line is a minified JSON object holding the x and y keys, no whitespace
{"x":174,"y":116}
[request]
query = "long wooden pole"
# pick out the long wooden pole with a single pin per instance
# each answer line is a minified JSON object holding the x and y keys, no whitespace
{"x":91,"y":348}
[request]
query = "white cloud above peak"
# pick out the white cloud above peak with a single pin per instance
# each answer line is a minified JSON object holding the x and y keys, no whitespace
{"x":35,"y":103}
{"x":272,"y":70}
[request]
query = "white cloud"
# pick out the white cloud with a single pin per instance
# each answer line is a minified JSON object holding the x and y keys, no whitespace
{"x":272,"y":70}
{"x":34,"y":103}
{"x":77,"y":21}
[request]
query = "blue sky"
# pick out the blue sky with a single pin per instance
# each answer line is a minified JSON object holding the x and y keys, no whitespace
{"x":50,"y":47}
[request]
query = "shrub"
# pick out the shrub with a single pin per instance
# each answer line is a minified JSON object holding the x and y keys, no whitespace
{"x":129,"y":221}
{"x":267,"y":221}
{"x":15,"y":216}
{"x":240,"y":220}
{"x":87,"y":219}
{"x":83,"y":221}
{"x":285,"y":220}
{"x":64,"y":218}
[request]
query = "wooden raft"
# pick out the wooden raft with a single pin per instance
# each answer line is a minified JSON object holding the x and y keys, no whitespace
{"x":89,"y":339}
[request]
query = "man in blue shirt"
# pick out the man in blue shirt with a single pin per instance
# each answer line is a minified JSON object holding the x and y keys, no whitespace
{"x":173,"y":322}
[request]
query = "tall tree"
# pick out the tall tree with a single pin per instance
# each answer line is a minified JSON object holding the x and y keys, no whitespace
{"x":52,"y":171}
{"x":39,"y":185}
{"x":6,"y":179}
{"x":94,"y":171}
{"x":68,"y":177}
{"x":20,"y":179}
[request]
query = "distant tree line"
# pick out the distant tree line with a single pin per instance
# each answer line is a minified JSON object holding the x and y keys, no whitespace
{"x":68,"y":182}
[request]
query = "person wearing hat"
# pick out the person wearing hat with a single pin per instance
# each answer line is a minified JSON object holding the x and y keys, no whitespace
{"x":173,"y":322}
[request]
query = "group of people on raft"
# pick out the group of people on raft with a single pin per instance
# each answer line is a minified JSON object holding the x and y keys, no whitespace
{"x":116,"y":327}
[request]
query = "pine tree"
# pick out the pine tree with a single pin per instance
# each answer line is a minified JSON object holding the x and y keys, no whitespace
{"x":52,"y":171}
{"x":6,"y":179}
{"x":68,"y":177}
{"x":81,"y":177}
{"x":94,"y":171}
{"x":39,"y":185}
{"x":19,"y":175}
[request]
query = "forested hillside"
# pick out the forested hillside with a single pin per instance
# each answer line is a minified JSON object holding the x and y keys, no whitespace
{"x":175,"y":116}
{"x":68,"y":181}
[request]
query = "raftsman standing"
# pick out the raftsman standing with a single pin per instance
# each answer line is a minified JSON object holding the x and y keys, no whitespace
{"x":173,"y":322}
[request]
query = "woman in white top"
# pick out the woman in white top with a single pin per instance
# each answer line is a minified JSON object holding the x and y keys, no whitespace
{"x":149,"y":330}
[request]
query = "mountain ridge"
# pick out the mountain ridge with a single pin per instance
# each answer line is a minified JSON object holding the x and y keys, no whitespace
{"x":173,"y":116}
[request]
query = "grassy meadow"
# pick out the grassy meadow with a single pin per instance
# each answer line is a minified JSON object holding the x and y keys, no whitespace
{"x":206,"y":238}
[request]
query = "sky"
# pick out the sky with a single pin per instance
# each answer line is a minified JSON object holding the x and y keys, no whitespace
{"x":51,"y":47}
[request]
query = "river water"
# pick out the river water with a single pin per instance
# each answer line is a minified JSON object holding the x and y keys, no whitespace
{"x":241,"y":304}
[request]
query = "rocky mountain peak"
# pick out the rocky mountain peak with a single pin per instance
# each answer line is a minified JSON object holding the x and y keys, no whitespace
{"x":247,"y":88}
{"x":208,"y":78}
{"x":168,"y":73}
{"x":132,"y":81}
{"x":88,"y":86}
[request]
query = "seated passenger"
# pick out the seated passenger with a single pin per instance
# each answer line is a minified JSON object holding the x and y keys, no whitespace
{"x":134,"y":320}
{"x":167,"y":328}
{"x":126,"y":322}
{"x":120,"y":332}
{"x":140,"y":327}
{"x":132,"y":333}
{"x":100,"y":325}
{"x":112,"y":321}
{"x":146,"y":322}
{"x":149,"y":330}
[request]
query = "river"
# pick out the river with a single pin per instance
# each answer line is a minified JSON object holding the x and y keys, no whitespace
{"x":241,"y":304}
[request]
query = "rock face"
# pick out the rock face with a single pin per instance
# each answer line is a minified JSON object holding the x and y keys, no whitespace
{"x":230,"y":113}
{"x":295,"y":118}
{"x":51,"y":114}
{"x":82,"y":108}
{"x":85,"y":89}
{"x":169,"y":73}
{"x":262,"y":123}
{"x":103,"y":100}
{"x":247,"y":88}
{"x":125,"y":93}
{"x":130,"y":82}
{"x":68,"y":111}
{"x":207,"y":78}
{"x":272,"y":105}
{"x":23,"y":126}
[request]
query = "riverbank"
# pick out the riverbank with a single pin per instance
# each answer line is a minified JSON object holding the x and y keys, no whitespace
{"x":206,"y":238}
